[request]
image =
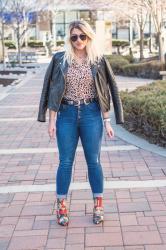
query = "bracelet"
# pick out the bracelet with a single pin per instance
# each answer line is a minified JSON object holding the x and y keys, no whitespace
{"x":106,"y":119}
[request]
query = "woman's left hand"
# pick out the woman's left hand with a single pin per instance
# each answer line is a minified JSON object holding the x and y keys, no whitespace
{"x":109,"y":129}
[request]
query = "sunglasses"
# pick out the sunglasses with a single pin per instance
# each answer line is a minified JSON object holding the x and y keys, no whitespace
{"x":74,"y":38}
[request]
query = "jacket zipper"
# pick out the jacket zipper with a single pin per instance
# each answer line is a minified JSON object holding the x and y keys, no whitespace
{"x":64,"y":88}
{"x":97,"y":93}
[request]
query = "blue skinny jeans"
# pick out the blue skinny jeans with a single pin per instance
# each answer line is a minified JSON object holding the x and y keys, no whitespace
{"x":84,"y":121}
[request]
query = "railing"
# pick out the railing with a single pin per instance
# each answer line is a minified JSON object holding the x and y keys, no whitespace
{"x":25,"y":57}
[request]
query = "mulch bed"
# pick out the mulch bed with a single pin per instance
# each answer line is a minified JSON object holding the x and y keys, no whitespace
{"x":16,"y":72}
{"x":5,"y":82}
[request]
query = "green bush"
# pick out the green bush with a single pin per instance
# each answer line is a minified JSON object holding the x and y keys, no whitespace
{"x":145,"y":70}
{"x":129,"y":58}
{"x":145,"y":42}
{"x":117,"y":63}
{"x":10,"y":44}
{"x":60,"y":43}
{"x":35,"y":43}
{"x":145,"y":111}
{"x":120,"y":43}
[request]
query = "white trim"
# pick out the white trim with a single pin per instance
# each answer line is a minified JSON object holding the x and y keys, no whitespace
{"x":84,"y":185}
{"x":52,"y":150}
{"x":17,"y":119}
{"x":18,"y":106}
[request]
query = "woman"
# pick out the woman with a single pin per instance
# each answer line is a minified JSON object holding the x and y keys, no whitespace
{"x":78,"y":87}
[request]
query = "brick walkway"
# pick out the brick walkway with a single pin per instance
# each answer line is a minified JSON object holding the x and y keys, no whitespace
{"x":135,"y":218}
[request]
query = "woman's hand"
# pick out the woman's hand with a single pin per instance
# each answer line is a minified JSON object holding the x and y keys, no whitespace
{"x":109,"y":129}
{"x":51,"y":129}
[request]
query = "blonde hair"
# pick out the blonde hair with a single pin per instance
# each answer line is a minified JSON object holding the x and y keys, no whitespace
{"x":92,"y":49}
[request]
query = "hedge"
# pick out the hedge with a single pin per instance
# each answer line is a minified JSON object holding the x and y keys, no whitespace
{"x":10,"y":44}
{"x":145,"y":70}
{"x":117,"y":63}
{"x":120,"y":43}
{"x":145,"y":42}
{"x":60,"y":43}
{"x":145,"y":111}
{"x":35,"y":43}
{"x":124,"y":65}
{"x":31,"y":43}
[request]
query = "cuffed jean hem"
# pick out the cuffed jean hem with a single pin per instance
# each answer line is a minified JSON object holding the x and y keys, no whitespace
{"x":61,"y":196}
{"x":97,"y":195}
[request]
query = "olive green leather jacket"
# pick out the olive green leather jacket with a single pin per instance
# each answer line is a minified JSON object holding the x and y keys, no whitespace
{"x":54,"y":87}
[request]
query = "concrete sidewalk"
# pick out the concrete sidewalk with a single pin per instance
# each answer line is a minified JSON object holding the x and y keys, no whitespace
{"x":134,"y":196}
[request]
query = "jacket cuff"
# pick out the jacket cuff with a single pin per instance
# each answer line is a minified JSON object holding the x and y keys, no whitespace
{"x":41,"y":118}
{"x":52,"y":108}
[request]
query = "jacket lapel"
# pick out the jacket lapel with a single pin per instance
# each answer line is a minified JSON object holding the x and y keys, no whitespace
{"x":63,"y":66}
{"x":94,"y":68}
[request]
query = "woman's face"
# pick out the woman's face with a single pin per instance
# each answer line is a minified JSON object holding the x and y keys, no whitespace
{"x":80,"y":38}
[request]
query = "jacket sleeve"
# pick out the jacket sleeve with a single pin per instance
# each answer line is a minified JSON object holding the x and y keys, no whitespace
{"x":118,"y":109}
{"x":44,"y":95}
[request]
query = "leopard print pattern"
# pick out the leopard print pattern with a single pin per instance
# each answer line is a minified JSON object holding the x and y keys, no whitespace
{"x":80,"y":83}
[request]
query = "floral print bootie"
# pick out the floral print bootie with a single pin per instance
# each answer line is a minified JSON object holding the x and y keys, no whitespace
{"x":62,"y":212}
{"x":98,"y":211}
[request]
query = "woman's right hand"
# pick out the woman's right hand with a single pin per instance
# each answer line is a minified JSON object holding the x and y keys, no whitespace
{"x":51,"y":129}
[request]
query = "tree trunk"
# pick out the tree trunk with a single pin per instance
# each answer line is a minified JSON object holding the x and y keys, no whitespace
{"x":3,"y":47}
{"x":161,"y":48}
{"x":150,"y":34}
{"x":18,"y":45}
{"x":141,"y":43}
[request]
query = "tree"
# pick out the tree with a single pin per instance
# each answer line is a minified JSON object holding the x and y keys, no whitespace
{"x":20,"y":11}
{"x":3,"y":8}
{"x":136,"y":11}
{"x":52,"y":6}
{"x":157,"y":8}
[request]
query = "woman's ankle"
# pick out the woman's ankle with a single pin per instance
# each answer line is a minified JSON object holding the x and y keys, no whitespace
{"x":98,"y":201}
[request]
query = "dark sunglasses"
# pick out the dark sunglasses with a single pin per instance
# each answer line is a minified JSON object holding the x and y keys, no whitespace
{"x":74,"y":38}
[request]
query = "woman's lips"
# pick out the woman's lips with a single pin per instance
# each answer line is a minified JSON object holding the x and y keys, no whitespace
{"x":79,"y":44}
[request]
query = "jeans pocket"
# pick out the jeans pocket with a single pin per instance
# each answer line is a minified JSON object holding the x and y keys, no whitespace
{"x":94,"y":106}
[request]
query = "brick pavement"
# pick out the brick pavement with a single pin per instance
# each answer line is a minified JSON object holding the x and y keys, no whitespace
{"x":135,"y":218}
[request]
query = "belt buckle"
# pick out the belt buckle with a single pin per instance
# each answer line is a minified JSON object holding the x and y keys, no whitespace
{"x":86,"y":103}
{"x":78,"y":103}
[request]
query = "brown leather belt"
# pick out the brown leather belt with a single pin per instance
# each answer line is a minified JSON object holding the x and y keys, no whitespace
{"x":77,"y":103}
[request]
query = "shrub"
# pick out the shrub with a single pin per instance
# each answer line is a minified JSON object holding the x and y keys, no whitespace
{"x":117,"y":63}
{"x":145,"y":70}
{"x":60,"y":43}
{"x":129,"y":58}
{"x":120,"y":43}
{"x":10,"y":44}
{"x":145,"y":111}
{"x":35,"y":43}
{"x":145,"y":42}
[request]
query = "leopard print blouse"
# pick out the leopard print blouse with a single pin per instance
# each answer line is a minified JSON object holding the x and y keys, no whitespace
{"x":79,"y":83}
